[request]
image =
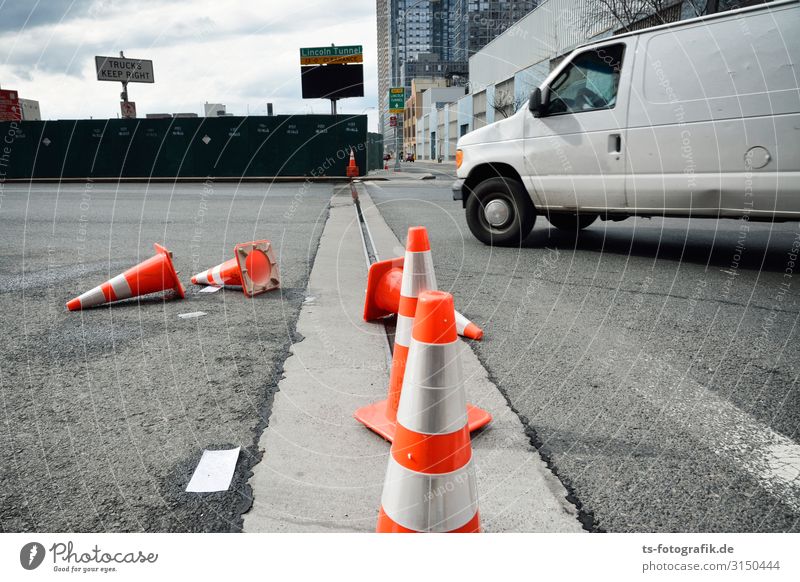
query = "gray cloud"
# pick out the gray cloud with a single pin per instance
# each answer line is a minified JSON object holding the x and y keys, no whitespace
{"x":19,"y":15}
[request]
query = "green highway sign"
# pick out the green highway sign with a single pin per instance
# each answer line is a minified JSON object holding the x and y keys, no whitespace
{"x":326,"y":55}
{"x":397,"y":99}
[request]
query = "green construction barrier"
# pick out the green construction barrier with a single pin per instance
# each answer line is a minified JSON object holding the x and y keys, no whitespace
{"x":175,"y":158}
{"x":82,"y":147}
{"x":223,"y":147}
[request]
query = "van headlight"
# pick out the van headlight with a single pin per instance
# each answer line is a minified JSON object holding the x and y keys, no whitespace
{"x":459,"y":158}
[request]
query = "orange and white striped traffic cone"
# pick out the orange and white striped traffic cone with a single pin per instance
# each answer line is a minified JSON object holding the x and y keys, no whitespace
{"x":430,"y":482}
{"x":253,"y":268}
{"x":352,"y":169}
{"x":151,"y":276}
{"x":383,"y":296}
{"x":417,"y":276}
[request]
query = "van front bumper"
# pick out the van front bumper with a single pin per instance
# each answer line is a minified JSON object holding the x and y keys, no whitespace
{"x":457,"y":188}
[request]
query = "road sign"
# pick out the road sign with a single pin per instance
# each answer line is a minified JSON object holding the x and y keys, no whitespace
{"x":332,"y":81}
{"x":10,"y":109}
{"x":327,"y":55}
{"x":124,"y":70}
{"x":393,"y":121}
{"x":128,"y":109}
{"x":397,"y":99}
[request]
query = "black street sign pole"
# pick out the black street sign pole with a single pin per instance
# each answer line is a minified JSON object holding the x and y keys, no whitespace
{"x":124,"y":94}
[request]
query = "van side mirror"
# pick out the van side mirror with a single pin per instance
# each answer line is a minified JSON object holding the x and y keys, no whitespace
{"x":535,"y":103}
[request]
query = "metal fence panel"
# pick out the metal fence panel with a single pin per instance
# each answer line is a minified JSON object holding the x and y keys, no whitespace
{"x":224,"y":147}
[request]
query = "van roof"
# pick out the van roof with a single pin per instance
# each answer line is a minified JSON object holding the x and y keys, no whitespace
{"x":767,"y":5}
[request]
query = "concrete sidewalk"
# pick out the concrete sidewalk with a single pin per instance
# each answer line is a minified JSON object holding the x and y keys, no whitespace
{"x":322,"y":470}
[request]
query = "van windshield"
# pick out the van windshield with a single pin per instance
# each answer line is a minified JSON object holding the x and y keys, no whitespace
{"x":589,"y":82}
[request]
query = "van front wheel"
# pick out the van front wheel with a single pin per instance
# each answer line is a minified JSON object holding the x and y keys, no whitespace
{"x":500,"y":212}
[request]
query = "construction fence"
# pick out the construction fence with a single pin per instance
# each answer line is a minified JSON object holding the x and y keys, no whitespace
{"x":172,"y":148}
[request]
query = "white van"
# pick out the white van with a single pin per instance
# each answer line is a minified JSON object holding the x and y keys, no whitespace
{"x":698,"y":118}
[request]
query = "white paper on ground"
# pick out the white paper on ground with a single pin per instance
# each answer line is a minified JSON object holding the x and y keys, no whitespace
{"x":210,"y":289}
{"x":214,"y":471}
{"x":192,"y":314}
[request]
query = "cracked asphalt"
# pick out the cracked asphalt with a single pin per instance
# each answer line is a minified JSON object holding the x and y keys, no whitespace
{"x":104,"y":413}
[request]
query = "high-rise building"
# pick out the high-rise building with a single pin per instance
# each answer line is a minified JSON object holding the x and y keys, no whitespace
{"x":477,"y":22}
{"x":432,"y":39}
{"x":384,"y":63}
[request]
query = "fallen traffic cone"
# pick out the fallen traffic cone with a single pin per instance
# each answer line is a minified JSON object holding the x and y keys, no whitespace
{"x":151,"y":276}
{"x":383,"y":296}
{"x":430,"y":482}
{"x":417,"y":276}
{"x":352,"y":169}
{"x":253,"y":268}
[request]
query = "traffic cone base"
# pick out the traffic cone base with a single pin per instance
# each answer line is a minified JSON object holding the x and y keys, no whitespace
{"x":253,"y":268}
{"x":257,"y":266}
{"x":383,"y":288}
{"x":150,"y":276}
{"x":376,"y":417}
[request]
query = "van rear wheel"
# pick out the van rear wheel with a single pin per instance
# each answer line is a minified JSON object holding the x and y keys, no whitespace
{"x":500,"y":212}
{"x":571,"y":221}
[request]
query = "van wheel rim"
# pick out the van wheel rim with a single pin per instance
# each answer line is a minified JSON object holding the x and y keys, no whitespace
{"x":497,"y":212}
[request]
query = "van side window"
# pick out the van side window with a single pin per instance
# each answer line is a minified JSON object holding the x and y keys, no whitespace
{"x":589,"y":82}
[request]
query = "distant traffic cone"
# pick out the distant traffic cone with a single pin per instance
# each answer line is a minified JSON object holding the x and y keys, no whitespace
{"x":383,"y":296}
{"x":352,"y":169}
{"x":430,"y":482}
{"x":151,"y":276}
{"x":253,"y":268}
{"x":417,"y":276}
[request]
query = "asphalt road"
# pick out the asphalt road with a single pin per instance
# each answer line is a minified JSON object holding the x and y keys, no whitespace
{"x":105,"y":413}
{"x":655,"y":362}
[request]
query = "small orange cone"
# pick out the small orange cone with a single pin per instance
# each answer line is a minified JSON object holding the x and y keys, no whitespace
{"x":253,"y":267}
{"x":430,"y":483}
{"x":151,"y":276}
{"x":383,"y":296}
{"x":417,"y":276}
{"x":352,"y":169}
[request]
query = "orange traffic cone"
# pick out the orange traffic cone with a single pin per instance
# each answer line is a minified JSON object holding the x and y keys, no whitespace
{"x":430,"y":482}
{"x":352,"y":169}
{"x":417,"y":276}
{"x":253,"y":267}
{"x":383,"y":296}
{"x":151,"y":276}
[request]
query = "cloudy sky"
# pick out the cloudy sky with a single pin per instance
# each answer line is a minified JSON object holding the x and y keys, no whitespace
{"x":243,"y":53}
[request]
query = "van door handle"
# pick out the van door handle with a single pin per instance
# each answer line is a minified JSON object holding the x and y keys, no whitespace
{"x":615,"y":143}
